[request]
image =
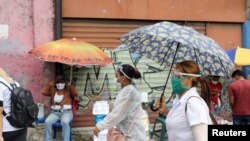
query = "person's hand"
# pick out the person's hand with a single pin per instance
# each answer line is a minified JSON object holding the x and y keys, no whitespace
{"x":78,"y":98}
{"x":96,"y":131}
{"x":163,"y":101}
{"x":163,"y":109}
{"x":160,"y":103}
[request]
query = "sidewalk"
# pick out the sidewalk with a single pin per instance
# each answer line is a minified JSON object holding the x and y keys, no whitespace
{"x":78,"y":134}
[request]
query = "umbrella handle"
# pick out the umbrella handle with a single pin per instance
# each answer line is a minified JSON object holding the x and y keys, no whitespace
{"x":153,"y":108}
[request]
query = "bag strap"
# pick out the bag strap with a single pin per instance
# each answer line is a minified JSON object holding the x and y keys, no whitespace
{"x":130,"y":127}
{"x":213,"y":119}
{"x":13,"y":85}
{"x":210,"y":114}
{"x":6,"y":85}
{"x":4,"y":113}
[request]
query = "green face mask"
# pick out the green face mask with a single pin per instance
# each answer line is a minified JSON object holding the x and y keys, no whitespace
{"x":177,"y":87}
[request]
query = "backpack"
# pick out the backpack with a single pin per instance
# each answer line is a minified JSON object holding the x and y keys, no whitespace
{"x":23,"y":109}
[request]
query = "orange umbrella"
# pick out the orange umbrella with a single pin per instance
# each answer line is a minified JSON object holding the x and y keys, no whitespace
{"x":71,"y":52}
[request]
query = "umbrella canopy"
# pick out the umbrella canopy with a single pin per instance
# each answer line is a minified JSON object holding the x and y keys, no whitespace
{"x":168,"y":43}
{"x":71,"y":52}
{"x":239,"y":56}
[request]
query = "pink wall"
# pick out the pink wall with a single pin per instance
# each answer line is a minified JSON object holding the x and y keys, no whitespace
{"x":30,"y":24}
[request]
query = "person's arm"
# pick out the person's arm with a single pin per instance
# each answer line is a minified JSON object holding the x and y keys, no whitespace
{"x":47,"y":90}
{"x":1,"y":111}
{"x":231,"y":97}
{"x":73,"y":91}
{"x":197,"y":116}
{"x":197,"y":111}
{"x":200,"y":132}
{"x":1,"y":120}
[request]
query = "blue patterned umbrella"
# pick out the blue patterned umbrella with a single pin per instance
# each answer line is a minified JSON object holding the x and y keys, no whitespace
{"x":168,"y":43}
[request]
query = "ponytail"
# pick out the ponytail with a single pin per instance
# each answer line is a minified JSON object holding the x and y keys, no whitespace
{"x":205,"y":91}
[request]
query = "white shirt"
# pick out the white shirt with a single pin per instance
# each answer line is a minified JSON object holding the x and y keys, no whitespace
{"x":179,"y":122}
{"x":5,"y":97}
{"x":57,"y":99}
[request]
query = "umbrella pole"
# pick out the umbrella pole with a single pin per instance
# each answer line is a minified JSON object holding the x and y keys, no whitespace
{"x":178,"y":45}
{"x":153,"y":108}
{"x":71,"y":73}
{"x":228,"y":76}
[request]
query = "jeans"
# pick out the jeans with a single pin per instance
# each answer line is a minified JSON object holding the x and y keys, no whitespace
{"x":65,"y":118}
{"x":18,"y":135}
{"x":241,"y":120}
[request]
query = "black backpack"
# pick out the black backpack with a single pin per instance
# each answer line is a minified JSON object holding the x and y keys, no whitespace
{"x":23,"y":109}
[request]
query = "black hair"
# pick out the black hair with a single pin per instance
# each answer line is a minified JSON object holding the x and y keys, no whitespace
{"x":237,"y":73}
{"x":130,"y":71}
{"x":216,"y":76}
{"x":61,"y":78}
{"x":205,"y":91}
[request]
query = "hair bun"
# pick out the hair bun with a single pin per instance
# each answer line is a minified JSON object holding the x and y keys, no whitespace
{"x":137,"y":74}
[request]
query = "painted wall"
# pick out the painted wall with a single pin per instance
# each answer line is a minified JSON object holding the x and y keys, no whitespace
{"x":227,"y":35}
{"x":179,"y":10}
{"x":30,"y":24}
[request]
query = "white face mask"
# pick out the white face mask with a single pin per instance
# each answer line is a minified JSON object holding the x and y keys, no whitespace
{"x":118,"y":84}
{"x":214,"y":82}
{"x":60,"y":86}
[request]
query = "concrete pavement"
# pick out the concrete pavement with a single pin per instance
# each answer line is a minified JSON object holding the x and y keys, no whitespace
{"x":78,"y":134}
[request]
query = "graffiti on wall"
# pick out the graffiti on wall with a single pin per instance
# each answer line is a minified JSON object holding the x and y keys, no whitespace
{"x":97,"y":83}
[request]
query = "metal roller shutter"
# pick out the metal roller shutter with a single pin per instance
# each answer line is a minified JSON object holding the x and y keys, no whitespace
{"x":106,"y":35}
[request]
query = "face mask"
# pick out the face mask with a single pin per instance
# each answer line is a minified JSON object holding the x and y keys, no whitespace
{"x":118,"y":84}
{"x":214,"y":82}
{"x":177,"y":87}
{"x":60,"y":86}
